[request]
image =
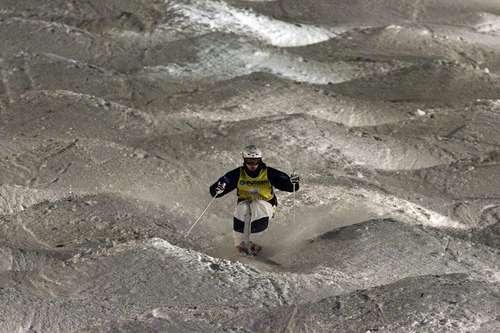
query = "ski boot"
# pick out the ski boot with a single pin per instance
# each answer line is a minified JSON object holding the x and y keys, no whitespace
{"x":243,"y":249}
{"x":254,"y":249}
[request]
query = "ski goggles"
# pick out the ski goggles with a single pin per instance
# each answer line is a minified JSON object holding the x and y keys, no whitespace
{"x":252,"y":161}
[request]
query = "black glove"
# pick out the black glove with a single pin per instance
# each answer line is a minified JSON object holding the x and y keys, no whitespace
{"x":294,"y":178}
{"x":220,"y":188}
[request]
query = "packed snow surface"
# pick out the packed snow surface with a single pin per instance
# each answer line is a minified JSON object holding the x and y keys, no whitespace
{"x":207,"y":15}
{"x":116,"y":117}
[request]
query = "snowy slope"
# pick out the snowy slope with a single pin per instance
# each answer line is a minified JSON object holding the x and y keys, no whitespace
{"x":116,"y":116}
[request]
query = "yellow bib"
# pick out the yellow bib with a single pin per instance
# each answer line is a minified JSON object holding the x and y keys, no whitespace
{"x":254,"y":188}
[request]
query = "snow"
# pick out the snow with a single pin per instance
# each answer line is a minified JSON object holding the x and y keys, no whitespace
{"x":226,"y":58}
{"x":115,"y":117}
{"x":207,"y":15}
{"x":490,"y":23}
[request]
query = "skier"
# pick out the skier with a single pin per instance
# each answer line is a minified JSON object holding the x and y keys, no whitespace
{"x":257,"y":202}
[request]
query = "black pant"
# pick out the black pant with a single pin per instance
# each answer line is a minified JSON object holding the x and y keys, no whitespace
{"x":257,"y":225}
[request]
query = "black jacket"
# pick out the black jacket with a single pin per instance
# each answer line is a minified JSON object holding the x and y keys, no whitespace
{"x":278,"y":179}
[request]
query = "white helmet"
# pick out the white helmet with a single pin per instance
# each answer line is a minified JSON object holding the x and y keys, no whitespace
{"x":252,"y":152}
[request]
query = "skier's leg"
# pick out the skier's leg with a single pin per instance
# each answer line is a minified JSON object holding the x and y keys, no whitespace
{"x":246,"y":232}
{"x":262,"y":211}
{"x":241,"y":218}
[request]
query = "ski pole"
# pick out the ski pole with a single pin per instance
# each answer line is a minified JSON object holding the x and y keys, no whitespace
{"x":187,"y":234}
{"x":293,"y":200}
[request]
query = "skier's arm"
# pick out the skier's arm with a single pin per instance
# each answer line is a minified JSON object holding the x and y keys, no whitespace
{"x":231,"y":181}
{"x":281,"y":180}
